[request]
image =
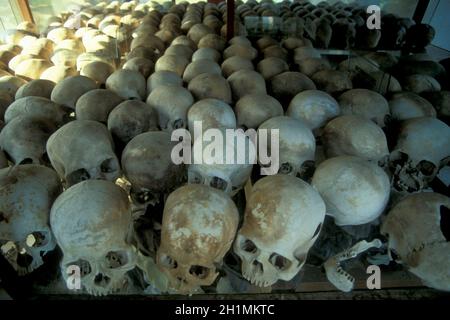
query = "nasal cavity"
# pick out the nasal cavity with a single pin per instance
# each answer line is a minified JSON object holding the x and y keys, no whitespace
{"x":258,"y":266}
{"x":445,"y":222}
{"x":101,"y":280}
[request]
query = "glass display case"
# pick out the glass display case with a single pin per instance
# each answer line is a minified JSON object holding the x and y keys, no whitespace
{"x":101,"y":193}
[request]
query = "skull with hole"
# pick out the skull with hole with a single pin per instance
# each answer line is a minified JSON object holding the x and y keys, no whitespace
{"x":418,"y":236}
{"x":297,"y":146}
{"x":212,"y":114}
{"x":422,"y":148}
{"x":231,"y":165}
{"x":314,"y":107}
{"x":198,"y":228}
{"x":69,"y":90}
{"x":355,"y":136}
{"x":91,"y":222}
{"x":171,"y":104}
{"x":82,"y":150}
{"x":26,"y":146}
{"x":127,"y":84}
{"x":253,"y":109}
{"x":368,"y":104}
{"x":148,"y":166}
{"x":129,"y":119}
{"x":283,"y":218}
{"x":355,"y":190}
{"x":27,"y":193}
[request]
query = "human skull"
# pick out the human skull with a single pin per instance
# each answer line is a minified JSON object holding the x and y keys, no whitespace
{"x":81,"y":150}
{"x":253,"y":109}
{"x":148,"y":166}
{"x":408,"y":105}
{"x":368,"y":104}
{"x":36,"y":107}
{"x":39,"y":87}
{"x":283,"y":218}
{"x":127,"y":84}
{"x":418,"y":235}
{"x":91,"y":222}
{"x":98,"y":71}
{"x":67,"y":92}
{"x":314,"y":107}
{"x":131,"y":118}
{"x":297,"y":145}
{"x":198,"y":228}
{"x":163,"y":78}
{"x":355,"y":136}
{"x":355,"y":190}
{"x":96,"y":105}
{"x":26,"y":195}
{"x":422,"y":149}
{"x":25,"y":146}
{"x":228,"y":171}
{"x":212,"y":113}
{"x":172,"y":104}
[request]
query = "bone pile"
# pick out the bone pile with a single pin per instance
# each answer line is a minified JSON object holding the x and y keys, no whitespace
{"x":88,"y":105}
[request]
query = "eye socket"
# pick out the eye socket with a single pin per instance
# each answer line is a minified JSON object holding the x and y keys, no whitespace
{"x":199,"y":271}
{"x":279,"y":262}
{"x":195,"y":178}
{"x":36,"y":239}
{"x":116,"y":259}
{"x":285,"y":168}
{"x":249,"y":246}
{"x":167,"y":262}
{"x":77,"y":176}
{"x":85,"y":266}
{"x":108,"y":166}
{"x":218,"y":183}
{"x":177,"y":124}
{"x":141,"y":197}
{"x":426,"y":167}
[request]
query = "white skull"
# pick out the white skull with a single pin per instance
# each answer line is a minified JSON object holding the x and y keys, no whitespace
{"x":198,"y":228}
{"x":148,"y":166}
{"x":23,"y":139}
{"x":91,"y":222}
{"x":27,"y":193}
{"x":215,"y":171}
{"x":81,"y":150}
{"x":283,"y":219}
{"x":355,"y":190}
{"x":355,"y":136}
{"x":314,"y":107}
{"x":418,"y":234}
{"x":172,"y":104}
{"x":422,"y":149}
{"x":297,"y":145}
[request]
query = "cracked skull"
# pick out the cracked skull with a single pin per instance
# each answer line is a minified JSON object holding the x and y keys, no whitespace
{"x":81,"y":150}
{"x":91,"y":222}
{"x":27,"y":193}
{"x":198,"y":228}
{"x":283,"y":219}
{"x":418,"y":232}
